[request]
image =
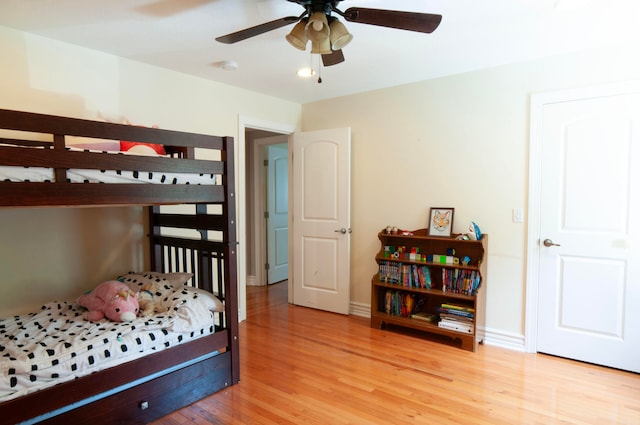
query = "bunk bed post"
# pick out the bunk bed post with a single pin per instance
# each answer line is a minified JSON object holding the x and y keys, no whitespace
{"x":205,"y":272}
{"x":60,"y":174}
{"x":231,"y":256}
{"x":155,"y":249}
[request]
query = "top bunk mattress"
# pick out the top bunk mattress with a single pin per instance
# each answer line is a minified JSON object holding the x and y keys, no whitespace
{"x":79,"y":175}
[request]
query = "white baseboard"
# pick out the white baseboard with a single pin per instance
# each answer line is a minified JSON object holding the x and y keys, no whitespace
{"x":360,"y":309}
{"x":504,"y":339}
{"x":252,"y":281}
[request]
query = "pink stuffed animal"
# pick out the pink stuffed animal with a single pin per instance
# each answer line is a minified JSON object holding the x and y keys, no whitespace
{"x":111,"y":299}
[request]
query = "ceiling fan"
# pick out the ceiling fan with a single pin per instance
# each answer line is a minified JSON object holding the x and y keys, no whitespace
{"x":327,"y":34}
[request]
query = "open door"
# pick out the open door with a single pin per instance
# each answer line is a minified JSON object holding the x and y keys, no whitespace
{"x":321,"y":169}
{"x":277,"y":212}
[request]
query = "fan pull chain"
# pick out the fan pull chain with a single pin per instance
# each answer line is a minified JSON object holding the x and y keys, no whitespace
{"x":319,"y":69}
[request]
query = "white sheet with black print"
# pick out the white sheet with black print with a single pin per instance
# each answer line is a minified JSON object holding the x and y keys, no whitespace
{"x":56,"y":344}
{"x":40,"y":174}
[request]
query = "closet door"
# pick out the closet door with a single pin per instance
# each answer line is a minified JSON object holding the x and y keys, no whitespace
{"x":589,"y":240}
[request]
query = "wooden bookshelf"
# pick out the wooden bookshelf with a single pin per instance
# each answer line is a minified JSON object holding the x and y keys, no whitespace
{"x":444,"y":296}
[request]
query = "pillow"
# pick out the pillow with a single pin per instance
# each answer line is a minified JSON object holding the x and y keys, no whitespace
{"x":140,"y":148}
{"x":165,"y":284}
{"x":92,"y":144}
{"x":189,"y":313}
{"x":210,"y":301}
{"x":175,"y":279}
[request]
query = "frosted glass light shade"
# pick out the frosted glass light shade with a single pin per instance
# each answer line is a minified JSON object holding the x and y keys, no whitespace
{"x":339,"y":35}
{"x":298,"y":36}
{"x":321,"y":47}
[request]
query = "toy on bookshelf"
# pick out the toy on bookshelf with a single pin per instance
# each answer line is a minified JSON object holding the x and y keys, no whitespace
{"x":415,"y":254}
{"x":395,"y":231}
{"x":474,"y":232}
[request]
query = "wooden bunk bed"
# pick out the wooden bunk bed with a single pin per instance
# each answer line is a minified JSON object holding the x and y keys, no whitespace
{"x":150,"y":387}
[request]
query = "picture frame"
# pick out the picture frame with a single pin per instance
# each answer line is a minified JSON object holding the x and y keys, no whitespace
{"x":441,"y":222}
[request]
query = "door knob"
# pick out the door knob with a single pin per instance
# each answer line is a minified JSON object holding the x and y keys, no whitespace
{"x":549,"y":242}
{"x":343,"y":231}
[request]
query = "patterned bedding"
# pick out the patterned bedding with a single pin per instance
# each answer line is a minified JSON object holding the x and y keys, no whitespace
{"x":39,"y":174}
{"x":56,"y":344}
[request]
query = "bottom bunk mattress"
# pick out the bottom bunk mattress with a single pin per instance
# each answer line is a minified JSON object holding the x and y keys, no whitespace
{"x":56,"y":344}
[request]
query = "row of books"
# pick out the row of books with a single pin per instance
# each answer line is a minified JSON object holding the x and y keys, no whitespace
{"x":399,"y":303}
{"x":460,"y":281}
{"x":407,"y":275}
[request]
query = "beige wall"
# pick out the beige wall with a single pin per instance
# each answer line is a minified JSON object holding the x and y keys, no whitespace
{"x":59,"y":253}
{"x":462,"y":142}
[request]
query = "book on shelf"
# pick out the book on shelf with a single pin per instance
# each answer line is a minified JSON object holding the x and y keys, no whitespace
{"x":455,"y":325}
{"x":424,"y":316}
{"x":456,"y":310}
{"x":456,"y":318}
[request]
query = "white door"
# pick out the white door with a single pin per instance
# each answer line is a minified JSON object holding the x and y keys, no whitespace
{"x":277,"y":212}
{"x":321,"y":219}
{"x":589,"y":266}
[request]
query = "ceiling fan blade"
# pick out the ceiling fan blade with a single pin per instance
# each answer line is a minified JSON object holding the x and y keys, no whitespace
{"x":333,"y":58}
{"x":410,"y":21}
{"x":257,"y":30}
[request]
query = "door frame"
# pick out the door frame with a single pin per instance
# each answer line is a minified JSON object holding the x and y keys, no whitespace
{"x":247,"y":122}
{"x":537,"y":104}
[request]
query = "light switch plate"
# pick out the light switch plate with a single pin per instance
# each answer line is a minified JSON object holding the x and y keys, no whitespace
{"x":518,"y":215}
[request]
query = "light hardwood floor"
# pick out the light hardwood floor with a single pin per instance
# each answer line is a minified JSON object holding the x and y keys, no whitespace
{"x":303,"y":366}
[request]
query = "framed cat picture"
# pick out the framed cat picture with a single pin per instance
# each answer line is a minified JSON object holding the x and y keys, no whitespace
{"x":441,"y":222}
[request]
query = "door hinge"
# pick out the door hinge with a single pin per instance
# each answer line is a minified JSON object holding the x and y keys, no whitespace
{"x":266,"y":214}
{"x":266,"y":266}
{"x":266,"y":162}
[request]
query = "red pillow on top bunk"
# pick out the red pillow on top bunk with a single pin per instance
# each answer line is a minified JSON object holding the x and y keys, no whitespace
{"x":140,"y":148}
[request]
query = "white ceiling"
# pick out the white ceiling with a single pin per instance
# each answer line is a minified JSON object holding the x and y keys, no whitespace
{"x":179,"y":35}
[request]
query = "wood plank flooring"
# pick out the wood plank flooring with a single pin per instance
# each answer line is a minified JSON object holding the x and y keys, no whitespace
{"x":303,"y":366}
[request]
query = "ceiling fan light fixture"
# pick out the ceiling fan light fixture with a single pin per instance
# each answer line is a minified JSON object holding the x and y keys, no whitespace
{"x":317,"y":27}
{"x":338,"y":35}
{"x":298,"y":36}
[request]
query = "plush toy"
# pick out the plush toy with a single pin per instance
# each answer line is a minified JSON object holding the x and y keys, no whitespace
{"x":148,"y":300}
{"x":111,"y":299}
